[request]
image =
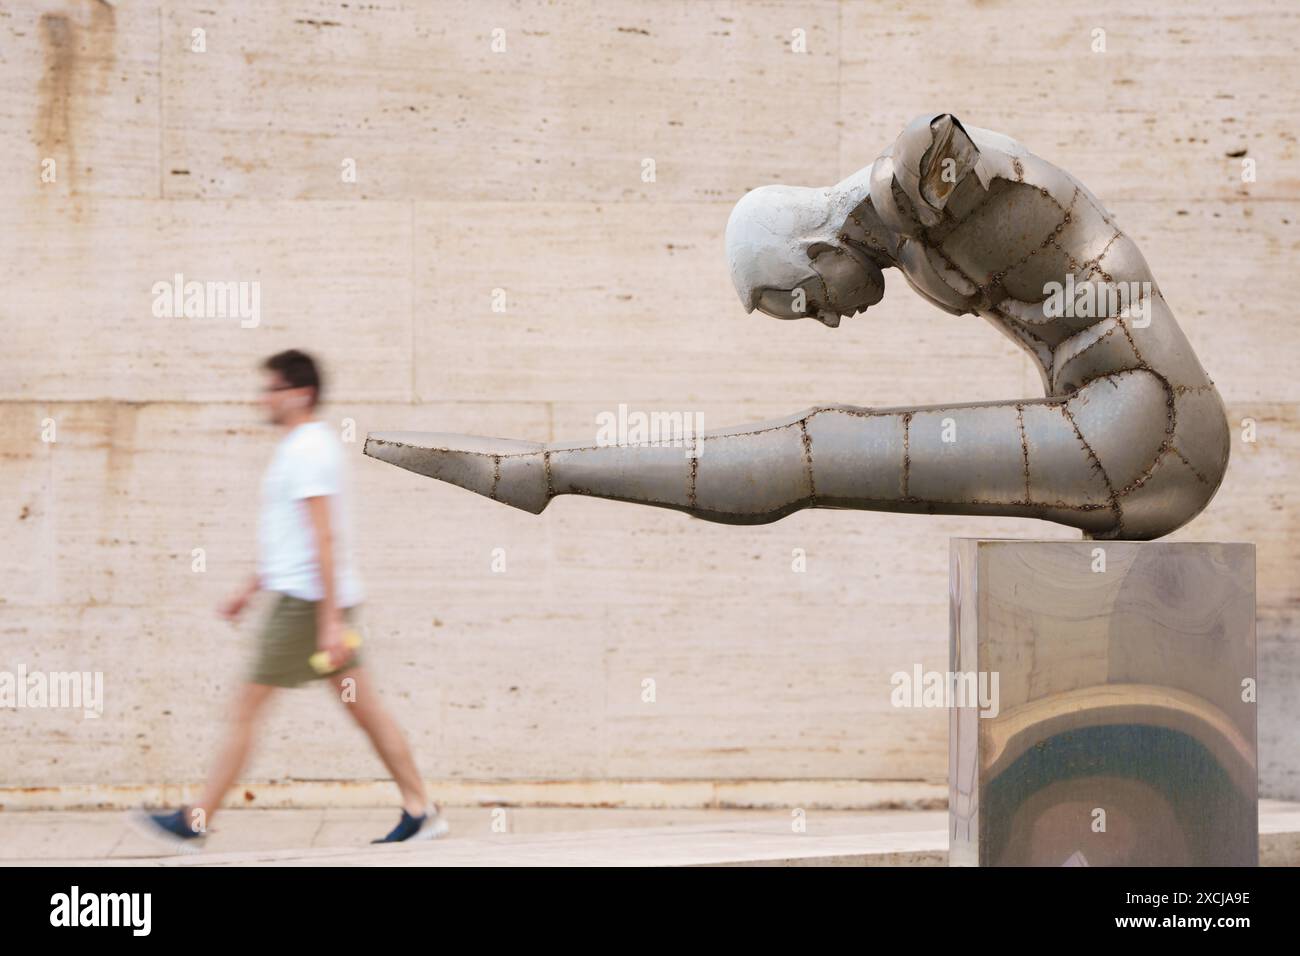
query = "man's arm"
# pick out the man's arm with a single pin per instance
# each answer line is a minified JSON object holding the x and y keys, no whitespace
{"x":329,"y":619}
{"x":232,"y":608}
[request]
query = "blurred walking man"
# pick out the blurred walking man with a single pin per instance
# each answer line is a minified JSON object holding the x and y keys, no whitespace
{"x":305,"y":558}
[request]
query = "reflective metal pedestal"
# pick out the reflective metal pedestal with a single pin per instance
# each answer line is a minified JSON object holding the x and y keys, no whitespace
{"x":1117,"y":724}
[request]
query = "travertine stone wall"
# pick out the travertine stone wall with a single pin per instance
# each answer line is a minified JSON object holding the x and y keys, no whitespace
{"x":522,"y":171}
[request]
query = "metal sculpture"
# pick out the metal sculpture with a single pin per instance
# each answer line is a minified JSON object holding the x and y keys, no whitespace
{"x":1130,"y":442}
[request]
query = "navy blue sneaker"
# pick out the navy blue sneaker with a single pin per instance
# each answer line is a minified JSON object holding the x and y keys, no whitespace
{"x":171,"y":830}
{"x":429,"y":825}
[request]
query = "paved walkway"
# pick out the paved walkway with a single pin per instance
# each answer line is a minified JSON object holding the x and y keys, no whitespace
{"x":537,"y":837}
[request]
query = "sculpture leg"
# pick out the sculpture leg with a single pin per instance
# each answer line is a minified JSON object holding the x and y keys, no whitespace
{"x":1072,"y":461}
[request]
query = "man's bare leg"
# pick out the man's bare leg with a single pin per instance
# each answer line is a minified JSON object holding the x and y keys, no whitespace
{"x":248,"y":707}
{"x":362,"y":701}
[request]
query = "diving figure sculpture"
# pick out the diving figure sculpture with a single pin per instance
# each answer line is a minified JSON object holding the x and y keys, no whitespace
{"x":1130,"y":441}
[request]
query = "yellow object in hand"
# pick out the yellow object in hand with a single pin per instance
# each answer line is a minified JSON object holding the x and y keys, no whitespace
{"x":320,"y":661}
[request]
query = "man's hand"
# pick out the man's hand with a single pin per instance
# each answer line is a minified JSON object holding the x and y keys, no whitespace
{"x":233,"y":606}
{"x":329,"y":639}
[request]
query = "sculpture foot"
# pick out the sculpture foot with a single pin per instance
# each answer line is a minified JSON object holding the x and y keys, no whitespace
{"x":503,"y":469}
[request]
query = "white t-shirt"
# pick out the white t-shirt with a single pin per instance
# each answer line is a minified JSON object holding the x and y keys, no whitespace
{"x":307,"y":463}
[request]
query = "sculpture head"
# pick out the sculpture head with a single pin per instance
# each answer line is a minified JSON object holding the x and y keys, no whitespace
{"x":788,"y":259}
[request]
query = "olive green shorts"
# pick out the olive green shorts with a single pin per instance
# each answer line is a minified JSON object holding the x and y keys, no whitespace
{"x":287,"y":642}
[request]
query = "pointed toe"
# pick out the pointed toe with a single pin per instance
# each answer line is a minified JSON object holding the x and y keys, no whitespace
{"x":503,"y":469}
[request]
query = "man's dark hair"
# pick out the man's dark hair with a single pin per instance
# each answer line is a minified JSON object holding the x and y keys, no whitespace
{"x":298,"y":369}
